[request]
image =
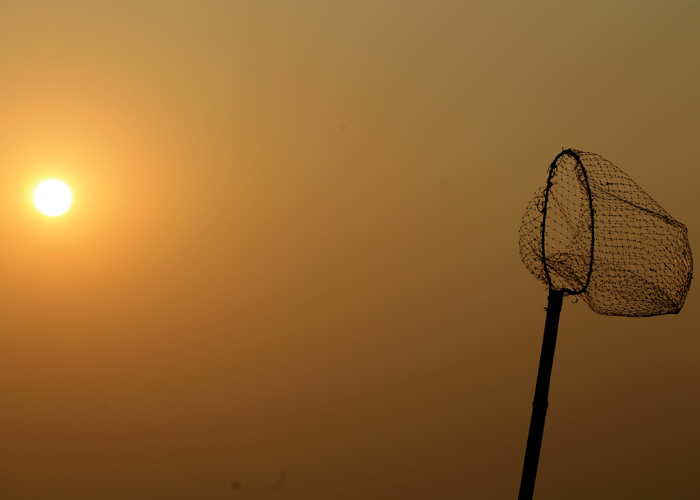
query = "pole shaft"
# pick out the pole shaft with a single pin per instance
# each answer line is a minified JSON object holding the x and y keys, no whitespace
{"x":540,"y":403}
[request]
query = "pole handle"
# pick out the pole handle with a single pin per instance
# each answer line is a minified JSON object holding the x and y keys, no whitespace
{"x":540,"y":403}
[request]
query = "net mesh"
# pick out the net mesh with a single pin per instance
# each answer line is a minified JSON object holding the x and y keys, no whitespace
{"x":592,"y":231}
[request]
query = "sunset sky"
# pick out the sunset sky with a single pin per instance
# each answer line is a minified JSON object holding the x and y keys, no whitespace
{"x":291,"y":268}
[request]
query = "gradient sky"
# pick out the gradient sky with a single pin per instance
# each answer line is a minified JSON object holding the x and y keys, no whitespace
{"x":291,"y":265}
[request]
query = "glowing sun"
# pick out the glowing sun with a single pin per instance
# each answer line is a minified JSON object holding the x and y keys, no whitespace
{"x":52,"y":197}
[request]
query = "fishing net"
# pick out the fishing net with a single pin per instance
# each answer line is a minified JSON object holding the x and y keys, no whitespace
{"x":592,"y":231}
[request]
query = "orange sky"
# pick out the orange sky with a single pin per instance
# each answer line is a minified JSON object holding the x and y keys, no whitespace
{"x":291,"y":263}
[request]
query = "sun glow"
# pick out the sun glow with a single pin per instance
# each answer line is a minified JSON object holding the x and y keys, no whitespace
{"x":52,"y":197}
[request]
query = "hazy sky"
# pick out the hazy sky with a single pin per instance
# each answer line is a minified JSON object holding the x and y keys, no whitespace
{"x":292,"y":267}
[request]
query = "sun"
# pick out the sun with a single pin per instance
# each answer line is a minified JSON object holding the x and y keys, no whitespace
{"x":52,"y":197}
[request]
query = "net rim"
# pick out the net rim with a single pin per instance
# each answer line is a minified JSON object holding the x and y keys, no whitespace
{"x":551,"y":172}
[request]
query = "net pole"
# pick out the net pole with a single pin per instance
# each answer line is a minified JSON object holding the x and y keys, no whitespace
{"x":540,"y":403}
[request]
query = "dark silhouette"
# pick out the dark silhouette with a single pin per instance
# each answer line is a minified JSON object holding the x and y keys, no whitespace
{"x":540,"y":403}
{"x":592,"y":231}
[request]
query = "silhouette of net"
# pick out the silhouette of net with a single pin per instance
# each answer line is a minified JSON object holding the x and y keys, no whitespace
{"x":592,"y":231}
